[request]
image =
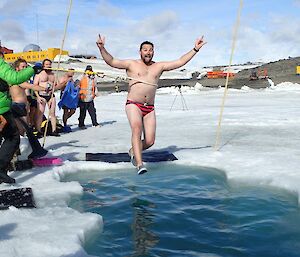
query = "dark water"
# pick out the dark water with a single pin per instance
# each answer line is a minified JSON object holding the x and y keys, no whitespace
{"x":187,"y":211}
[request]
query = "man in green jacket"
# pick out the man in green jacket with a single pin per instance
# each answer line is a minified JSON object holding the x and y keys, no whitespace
{"x":8,"y":129}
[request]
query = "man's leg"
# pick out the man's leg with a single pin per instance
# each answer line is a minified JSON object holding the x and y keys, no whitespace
{"x":11,"y":143}
{"x":20,"y":127}
{"x":32,"y":113}
{"x":37,"y":150}
{"x":92,"y":113}
{"x":82,"y":114}
{"x":71,"y":112}
{"x":149,"y":122}
{"x":52,"y":107}
{"x":39,"y":114}
{"x":65,"y":116}
{"x":135,"y":119}
{"x":19,"y":110}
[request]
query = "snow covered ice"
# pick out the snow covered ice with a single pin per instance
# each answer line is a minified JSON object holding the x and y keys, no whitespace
{"x":259,"y":145}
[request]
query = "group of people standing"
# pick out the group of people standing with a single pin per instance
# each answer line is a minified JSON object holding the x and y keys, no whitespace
{"x":79,"y":93}
{"x":23,"y":104}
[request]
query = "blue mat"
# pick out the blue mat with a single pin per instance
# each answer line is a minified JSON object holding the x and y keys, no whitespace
{"x":150,"y":156}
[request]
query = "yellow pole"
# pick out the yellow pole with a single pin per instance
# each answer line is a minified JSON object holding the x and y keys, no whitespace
{"x":73,"y":70}
{"x":226,"y":83}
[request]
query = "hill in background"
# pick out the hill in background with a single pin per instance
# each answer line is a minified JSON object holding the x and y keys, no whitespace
{"x":278,"y":71}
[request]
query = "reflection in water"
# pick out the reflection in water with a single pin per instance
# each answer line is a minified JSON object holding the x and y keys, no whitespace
{"x":143,"y":238}
{"x":188,"y":211}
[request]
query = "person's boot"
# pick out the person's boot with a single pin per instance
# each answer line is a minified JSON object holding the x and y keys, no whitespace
{"x":39,"y":153}
{"x":4,"y":178}
{"x":23,"y":165}
{"x":54,"y":134}
{"x":67,"y":129}
{"x":38,"y":134}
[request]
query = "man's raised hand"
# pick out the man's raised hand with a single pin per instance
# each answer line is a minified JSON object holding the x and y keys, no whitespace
{"x":199,"y":43}
{"x":101,"y":41}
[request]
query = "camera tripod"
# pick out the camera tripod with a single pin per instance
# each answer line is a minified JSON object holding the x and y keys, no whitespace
{"x":183,"y":102}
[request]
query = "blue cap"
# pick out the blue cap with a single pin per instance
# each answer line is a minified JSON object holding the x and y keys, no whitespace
{"x":38,"y":64}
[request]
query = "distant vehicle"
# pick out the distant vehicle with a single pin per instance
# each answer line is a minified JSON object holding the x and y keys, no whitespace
{"x":260,"y":74}
{"x":218,"y":74}
{"x":298,"y":70}
{"x":253,"y":75}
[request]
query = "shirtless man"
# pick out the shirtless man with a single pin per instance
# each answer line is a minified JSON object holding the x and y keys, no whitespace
{"x":18,"y":95}
{"x":20,"y":108}
{"x":46,"y":80}
{"x":145,"y":74}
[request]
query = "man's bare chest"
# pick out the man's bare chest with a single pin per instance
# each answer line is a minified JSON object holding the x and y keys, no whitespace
{"x":47,"y":78}
{"x":146,"y":72}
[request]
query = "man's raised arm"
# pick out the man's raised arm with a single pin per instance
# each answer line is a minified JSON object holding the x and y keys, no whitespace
{"x":167,"y":66}
{"x":107,"y":57}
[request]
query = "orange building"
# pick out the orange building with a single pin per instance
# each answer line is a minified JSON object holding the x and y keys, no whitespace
{"x":5,"y":50}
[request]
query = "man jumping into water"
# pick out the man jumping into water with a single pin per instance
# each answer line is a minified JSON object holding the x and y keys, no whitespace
{"x":144,"y":75}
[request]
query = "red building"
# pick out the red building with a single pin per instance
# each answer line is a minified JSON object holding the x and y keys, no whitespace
{"x":5,"y":50}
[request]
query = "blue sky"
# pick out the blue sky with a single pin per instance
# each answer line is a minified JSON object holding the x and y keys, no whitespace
{"x":269,"y":30}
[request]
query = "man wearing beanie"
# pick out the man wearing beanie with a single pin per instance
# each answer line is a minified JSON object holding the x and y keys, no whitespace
{"x":87,"y":94}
